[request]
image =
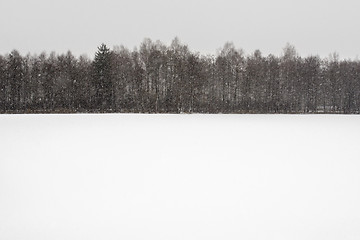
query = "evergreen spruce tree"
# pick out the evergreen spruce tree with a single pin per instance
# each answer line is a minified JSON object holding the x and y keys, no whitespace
{"x":15,"y":70}
{"x":102,"y":79}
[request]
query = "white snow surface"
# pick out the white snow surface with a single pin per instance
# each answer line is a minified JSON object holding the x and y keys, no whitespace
{"x":169,"y":177}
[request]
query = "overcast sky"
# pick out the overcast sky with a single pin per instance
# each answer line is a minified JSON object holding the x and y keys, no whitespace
{"x":313,"y":26}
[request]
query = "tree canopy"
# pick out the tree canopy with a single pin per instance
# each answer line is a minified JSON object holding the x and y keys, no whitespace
{"x":172,"y":79}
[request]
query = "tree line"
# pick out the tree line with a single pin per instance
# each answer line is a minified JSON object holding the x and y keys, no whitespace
{"x":156,"y":78}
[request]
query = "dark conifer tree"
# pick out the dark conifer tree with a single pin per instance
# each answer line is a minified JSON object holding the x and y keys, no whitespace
{"x":15,"y":75}
{"x":3,"y":83}
{"x":103,"y":80}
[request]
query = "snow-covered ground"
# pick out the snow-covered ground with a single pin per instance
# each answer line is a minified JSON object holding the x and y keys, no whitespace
{"x":169,"y":177}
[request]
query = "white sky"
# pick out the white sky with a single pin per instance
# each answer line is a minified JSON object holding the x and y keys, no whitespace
{"x":313,"y":26}
{"x":193,"y":177}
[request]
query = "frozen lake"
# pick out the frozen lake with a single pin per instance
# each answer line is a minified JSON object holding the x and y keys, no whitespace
{"x":169,"y":177}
